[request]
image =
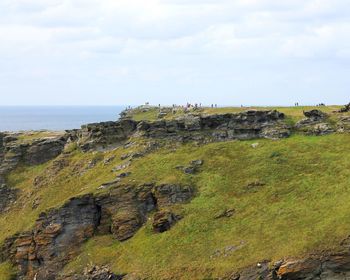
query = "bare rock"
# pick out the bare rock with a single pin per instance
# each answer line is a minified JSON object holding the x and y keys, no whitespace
{"x":315,"y":115}
{"x":94,"y":272}
{"x":315,"y":123}
{"x":105,"y":134}
{"x":254,"y":186}
{"x":55,"y":239}
{"x":41,"y":151}
{"x":124,"y":175}
{"x":59,"y":233}
{"x":122,"y":166}
{"x":7,"y":197}
{"x":227,"y":213}
{"x":101,"y":273}
{"x":300,"y":269}
{"x":171,"y":194}
{"x":108,"y":160}
{"x":164,"y":220}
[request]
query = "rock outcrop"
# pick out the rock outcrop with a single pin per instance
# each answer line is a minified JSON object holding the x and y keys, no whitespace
{"x":7,"y":197}
{"x":54,"y":240}
{"x":94,"y":273}
{"x":101,"y":135}
{"x":244,"y":125}
{"x":59,"y":233}
{"x":325,"y":266}
{"x":43,"y":150}
{"x":315,"y":123}
{"x":37,"y":152}
{"x":343,"y":125}
{"x":345,"y":109}
{"x":164,"y":220}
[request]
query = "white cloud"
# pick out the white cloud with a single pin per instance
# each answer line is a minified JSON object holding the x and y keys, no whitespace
{"x":173,"y":42}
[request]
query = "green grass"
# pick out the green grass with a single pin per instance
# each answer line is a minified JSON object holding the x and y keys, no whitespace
{"x":28,"y":137}
{"x":302,"y":208}
{"x":6,"y":271}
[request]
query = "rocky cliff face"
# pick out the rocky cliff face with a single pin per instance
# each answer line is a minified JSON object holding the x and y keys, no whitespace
{"x":39,"y":151}
{"x":7,"y":197}
{"x":104,"y":134}
{"x":59,"y":233}
{"x":2,"y":135}
{"x":245,"y":125}
{"x":325,"y":266}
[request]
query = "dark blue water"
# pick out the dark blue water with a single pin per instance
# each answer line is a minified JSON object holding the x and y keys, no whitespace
{"x":16,"y":118}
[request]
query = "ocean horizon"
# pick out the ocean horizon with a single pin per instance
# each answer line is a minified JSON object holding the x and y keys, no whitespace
{"x":56,"y":118}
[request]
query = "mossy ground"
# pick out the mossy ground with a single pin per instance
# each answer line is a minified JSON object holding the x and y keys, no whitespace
{"x":301,"y":208}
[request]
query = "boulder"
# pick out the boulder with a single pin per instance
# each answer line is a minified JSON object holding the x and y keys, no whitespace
{"x":164,"y":220}
{"x":227,"y":213}
{"x":299,"y":269}
{"x":345,"y":109}
{"x":322,"y":129}
{"x":343,"y":125}
{"x":100,"y":273}
{"x":126,"y":222}
{"x":315,"y":115}
{"x":192,"y":168}
{"x":314,"y":124}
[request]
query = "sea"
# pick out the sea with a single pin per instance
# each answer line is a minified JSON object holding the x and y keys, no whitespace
{"x":56,"y":118}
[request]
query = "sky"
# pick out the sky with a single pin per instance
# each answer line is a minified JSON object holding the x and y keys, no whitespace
{"x":128,"y":52}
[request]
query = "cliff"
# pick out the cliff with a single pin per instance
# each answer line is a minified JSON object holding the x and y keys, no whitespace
{"x":255,"y":194}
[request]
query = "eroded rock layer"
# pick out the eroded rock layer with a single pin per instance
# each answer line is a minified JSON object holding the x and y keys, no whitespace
{"x":59,"y":233}
{"x":325,"y":266}
{"x":244,"y":125}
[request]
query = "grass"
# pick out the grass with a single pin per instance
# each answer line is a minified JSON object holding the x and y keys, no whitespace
{"x":6,"y":271}
{"x":28,"y":137}
{"x":301,"y":208}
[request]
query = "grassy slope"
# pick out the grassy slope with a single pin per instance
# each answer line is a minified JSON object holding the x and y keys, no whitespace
{"x":302,"y":208}
{"x":6,"y":271}
{"x":73,"y":180}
